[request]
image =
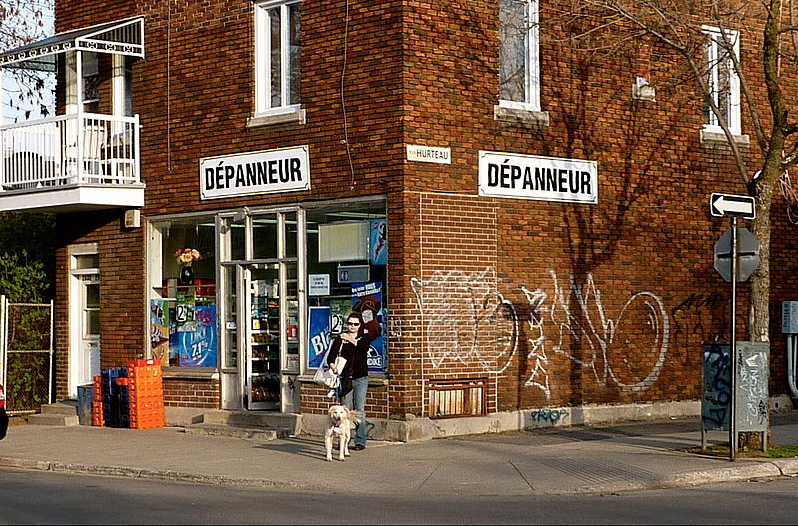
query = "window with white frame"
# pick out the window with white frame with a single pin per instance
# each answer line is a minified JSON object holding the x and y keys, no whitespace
{"x":519,"y":62}
{"x":722,"y":81}
{"x":277,"y":51}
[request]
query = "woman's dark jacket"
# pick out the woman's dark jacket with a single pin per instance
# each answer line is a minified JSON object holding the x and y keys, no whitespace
{"x":355,"y":355}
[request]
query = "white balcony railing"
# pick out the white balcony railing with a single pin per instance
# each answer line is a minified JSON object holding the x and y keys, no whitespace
{"x":69,"y":151}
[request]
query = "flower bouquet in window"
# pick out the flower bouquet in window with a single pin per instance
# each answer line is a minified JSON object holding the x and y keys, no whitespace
{"x":185,"y":257}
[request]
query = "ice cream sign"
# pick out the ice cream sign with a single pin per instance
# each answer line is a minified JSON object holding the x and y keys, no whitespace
{"x":534,"y":177}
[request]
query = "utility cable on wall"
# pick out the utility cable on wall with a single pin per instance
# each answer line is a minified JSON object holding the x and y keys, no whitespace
{"x":169,"y":86}
{"x":343,"y":99}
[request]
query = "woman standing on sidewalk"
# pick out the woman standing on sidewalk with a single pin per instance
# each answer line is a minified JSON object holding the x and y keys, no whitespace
{"x":353,"y":345}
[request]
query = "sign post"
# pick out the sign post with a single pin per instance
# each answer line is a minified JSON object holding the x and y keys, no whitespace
{"x":734,"y":206}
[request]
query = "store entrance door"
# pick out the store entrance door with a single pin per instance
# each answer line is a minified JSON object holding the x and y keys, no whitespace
{"x":261,"y":307}
{"x":262,"y":336}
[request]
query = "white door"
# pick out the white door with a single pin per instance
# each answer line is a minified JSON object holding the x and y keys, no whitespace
{"x":89,"y":346}
{"x":84,"y":326}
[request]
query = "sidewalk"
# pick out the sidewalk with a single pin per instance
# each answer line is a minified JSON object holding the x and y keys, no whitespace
{"x":547,"y":461}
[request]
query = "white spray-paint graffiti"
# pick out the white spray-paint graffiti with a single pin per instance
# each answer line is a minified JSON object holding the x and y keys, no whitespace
{"x":539,"y":377}
{"x":596,"y":331}
{"x":458,"y":306}
{"x":463,"y":313}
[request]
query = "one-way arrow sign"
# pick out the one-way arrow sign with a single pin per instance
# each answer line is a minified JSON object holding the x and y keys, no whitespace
{"x":724,"y":205}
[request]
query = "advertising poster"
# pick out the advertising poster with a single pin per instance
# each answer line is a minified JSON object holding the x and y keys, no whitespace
{"x":319,"y":335}
{"x":199,"y":348}
{"x":159,"y":328}
{"x":378,"y":242}
{"x":184,"y":311}
{"x":367,"y":300}
{"x":339,"y":310}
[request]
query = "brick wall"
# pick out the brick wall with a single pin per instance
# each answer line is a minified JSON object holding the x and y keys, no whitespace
{"x":179,"y":392}
{"x":314,"y":400}
{"x":558,"y":303}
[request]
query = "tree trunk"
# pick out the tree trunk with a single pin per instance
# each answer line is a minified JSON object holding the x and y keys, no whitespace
{"x":759,"y":312}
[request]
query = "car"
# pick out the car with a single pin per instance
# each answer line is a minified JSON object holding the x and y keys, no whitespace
{"x":3,"y":414}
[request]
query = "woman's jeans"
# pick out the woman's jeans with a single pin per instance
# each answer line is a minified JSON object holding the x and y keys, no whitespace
{"x":358,"y":392}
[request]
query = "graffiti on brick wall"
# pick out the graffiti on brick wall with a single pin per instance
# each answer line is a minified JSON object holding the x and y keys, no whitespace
{"x":548,"y":416}
{"x":700,"y":317}
{"x":467,"y":320}
{"x":628,"y":351}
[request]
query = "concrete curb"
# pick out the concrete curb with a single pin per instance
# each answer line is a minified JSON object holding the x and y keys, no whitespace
{"x":730,"y":474}
{"x":174,"y":476}
{"x":788,"y":466}
{"x":750,"y":471}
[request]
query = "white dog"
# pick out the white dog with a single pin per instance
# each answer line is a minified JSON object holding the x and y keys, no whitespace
{"x":342,"y":421}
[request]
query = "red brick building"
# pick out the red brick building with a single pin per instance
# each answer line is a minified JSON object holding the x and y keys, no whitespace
{"x":526,"y":224}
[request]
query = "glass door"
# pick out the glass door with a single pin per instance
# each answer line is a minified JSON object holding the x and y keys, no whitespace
{"x":89,"y":366}
{"x":263,"y":336}
{"x":262,"y":305}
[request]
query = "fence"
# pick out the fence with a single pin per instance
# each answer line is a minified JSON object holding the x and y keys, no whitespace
{"x":26,"y":355}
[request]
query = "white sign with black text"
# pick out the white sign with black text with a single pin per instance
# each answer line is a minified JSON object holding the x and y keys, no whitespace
{"x":318,"y":285}
{"x":429,"y":154}
{"x":519,"y":176}
{"x":266,"y":172}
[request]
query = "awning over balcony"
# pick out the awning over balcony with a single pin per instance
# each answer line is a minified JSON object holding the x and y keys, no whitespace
{"x":123,"y":37}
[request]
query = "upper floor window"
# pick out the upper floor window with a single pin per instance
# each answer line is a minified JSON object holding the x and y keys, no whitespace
{"x":277,"y":50}
{"x":519,"y":62}
{"x":722,"y":81}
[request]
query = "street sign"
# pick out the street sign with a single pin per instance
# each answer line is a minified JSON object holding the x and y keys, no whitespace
{"x":747,"y":254}
{"x":724,"y":205}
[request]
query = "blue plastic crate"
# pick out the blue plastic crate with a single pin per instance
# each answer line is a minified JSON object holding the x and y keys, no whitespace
{"x":85,"y":400}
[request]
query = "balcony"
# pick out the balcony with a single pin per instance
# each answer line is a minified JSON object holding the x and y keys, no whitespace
{"x":71,"y":163}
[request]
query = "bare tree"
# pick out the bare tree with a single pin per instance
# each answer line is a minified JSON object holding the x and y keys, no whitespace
{"x":22,"y":22}
{"x":680,"y":26}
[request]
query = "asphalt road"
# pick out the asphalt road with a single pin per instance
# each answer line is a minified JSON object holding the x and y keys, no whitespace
{"x":38,"y":497}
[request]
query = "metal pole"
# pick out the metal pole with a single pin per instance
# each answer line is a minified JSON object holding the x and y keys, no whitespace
{"x":50,"y":384}
{"x":733,"y":347}
{"x":3,"y":339}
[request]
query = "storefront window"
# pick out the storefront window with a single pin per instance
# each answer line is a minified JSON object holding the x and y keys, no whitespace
{"x":237,"y":246}
{"x":259,"y":322}
{"x":264,"y":237}
{"x":347,"y":271}
{"x":291,"y":235}
{"x":183,"y":303}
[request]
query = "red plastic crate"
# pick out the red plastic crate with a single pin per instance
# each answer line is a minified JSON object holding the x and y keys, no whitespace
{"x":97,"y":418}
{"x":146,"y":422}
{"x":144,"y":372}
{"x":144,"y":363}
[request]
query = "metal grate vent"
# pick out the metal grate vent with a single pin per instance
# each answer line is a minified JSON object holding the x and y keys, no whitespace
{"x":452,"y":398}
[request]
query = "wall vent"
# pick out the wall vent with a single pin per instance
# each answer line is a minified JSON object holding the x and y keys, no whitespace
{"x":454,"y":398}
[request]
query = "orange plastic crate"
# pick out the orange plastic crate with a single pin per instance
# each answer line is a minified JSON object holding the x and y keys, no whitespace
{"x":147,"y":422}
{"x":144,"y":362}
{"x":145,"y":382}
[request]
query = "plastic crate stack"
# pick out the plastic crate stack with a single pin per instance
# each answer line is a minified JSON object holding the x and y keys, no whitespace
{"x":123,"y":390}
{"x":146,"y":394}
{"x":114,"y":400}
{"x":97,"y":402}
